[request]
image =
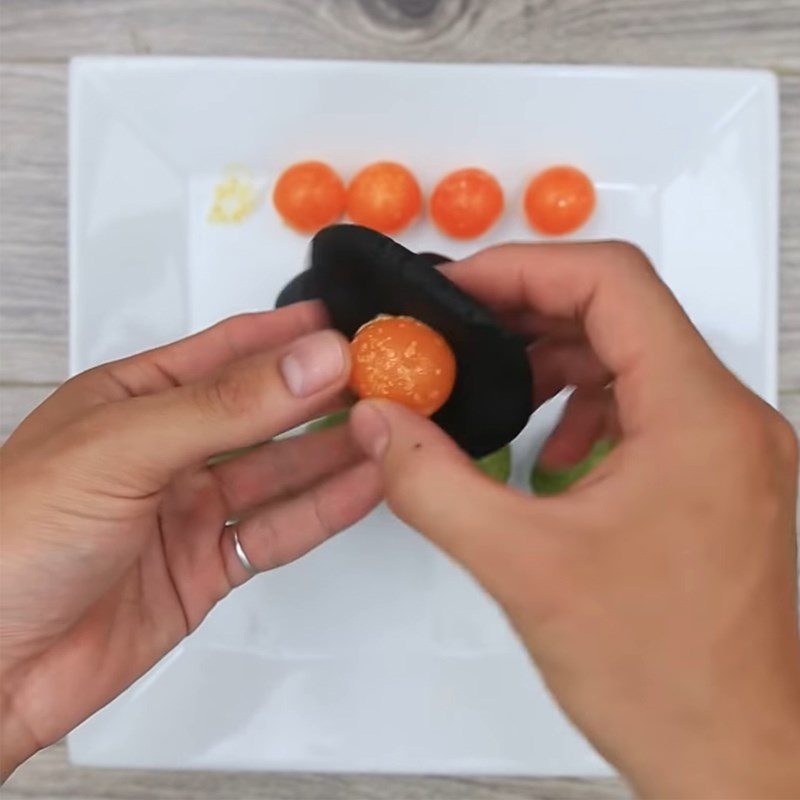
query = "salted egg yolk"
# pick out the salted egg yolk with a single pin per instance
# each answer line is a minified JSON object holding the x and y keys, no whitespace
{"x":402,"y":359}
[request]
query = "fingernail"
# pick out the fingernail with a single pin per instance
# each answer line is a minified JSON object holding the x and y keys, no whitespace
{"x":370,"y":429}
{"x":313,"y":363}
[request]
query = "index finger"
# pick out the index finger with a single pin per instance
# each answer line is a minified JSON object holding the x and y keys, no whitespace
{"x":633,"y":322}
{"x":185,"y":361}
{"x":206,"y":352}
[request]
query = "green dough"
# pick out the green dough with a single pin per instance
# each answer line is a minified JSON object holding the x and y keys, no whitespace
{"x":496,"y":465}
{"x":221,"y":457}
{"x":547,"y":482}
{"x":337,"y":418}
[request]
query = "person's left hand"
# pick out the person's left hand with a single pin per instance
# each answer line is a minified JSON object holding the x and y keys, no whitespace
{"x":113,"y":538}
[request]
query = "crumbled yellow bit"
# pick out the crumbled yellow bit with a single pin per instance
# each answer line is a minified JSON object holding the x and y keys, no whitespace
{"x":235,"y":197}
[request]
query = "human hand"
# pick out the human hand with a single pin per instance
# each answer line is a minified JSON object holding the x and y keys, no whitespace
{"x":657,"y":596}
{"x":112,"y":523}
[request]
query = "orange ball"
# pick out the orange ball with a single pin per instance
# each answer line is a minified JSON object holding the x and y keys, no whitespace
{"x":309,"y":195}
{"x":559,"y":200}
{"x":466,"y":203}
{"x":384,"y":196}
{"x":402,"y":359}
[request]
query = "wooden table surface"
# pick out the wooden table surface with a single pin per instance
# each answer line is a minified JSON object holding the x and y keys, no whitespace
{"x":37,"y":37}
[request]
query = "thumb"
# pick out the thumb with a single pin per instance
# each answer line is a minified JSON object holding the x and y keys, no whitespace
{"x":433,"y":485}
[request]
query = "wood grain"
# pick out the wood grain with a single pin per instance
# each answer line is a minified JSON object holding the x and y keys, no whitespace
{"x":16,"y":402}
{"x":789,"y":340}
{"x":50,"y":776}
{"x":38,"y":36}
{"x":33,"y":223}
{"x":756,"y":33}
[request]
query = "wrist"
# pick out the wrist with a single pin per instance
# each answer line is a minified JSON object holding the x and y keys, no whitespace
{"x":17,"y":743}
{"x":757,"y":758}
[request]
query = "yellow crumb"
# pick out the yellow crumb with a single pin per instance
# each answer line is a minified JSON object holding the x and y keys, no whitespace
{"x":235,"y":198}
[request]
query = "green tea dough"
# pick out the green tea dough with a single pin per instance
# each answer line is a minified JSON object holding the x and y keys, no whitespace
{"x":555,"y":481}
{"x":330,"y":421}
{"x":496,"y":465}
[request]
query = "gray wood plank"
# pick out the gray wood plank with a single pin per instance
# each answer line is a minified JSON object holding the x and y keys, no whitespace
{"x":718,"y":32}
{"x":33,"y":254}
{"x":33,"y":223}
{"x":789,"y":406}
{"x":16,"y":402}
{"x":789,"y":341}
{"x":48,"y":775}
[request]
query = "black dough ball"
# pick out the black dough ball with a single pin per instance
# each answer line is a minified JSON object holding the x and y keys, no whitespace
{"x":359,"y":274}
{"x":299,"y":288}
{"x":302,"y":286}
{"x":432,"y":259}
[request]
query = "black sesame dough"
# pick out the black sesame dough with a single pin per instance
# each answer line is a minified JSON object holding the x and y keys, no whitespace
{"x":359,"y":274}
{"x":432,"y":259}
{"x":302,"y":286}
{"x":299,"y":288}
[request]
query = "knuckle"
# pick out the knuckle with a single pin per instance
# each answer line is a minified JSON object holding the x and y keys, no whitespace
{"x":755,"y":450}
{"x":83,"y":381}
{"x":784,"y":439}
{"x":506,"y":250}
{"x":628,"y":258}
{"x":324,"y":521}
{"x":499,"y":249}
{"x":265,"y":548}
{"x":765,"y":454}
{"x":105,"y":383}
{"x":747,"y":420}
{"x":230,"y":394}
{"x":755,"y":427}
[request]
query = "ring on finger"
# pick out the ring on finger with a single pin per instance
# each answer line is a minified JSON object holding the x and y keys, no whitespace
{"x":247,"y":565}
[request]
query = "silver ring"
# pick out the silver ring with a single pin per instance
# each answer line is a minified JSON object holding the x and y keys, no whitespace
{"x":239,"y":550}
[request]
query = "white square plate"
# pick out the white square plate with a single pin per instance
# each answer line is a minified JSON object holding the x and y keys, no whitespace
{"x":375,"y":653}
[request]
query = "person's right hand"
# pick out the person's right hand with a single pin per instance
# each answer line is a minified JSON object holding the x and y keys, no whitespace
{"x":658,"y":595}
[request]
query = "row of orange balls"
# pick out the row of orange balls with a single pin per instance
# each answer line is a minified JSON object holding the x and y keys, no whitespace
{"x":464,"y":204}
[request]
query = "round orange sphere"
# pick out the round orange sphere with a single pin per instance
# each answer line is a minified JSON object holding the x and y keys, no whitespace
{"x":466,"y":203}
{"x":559,"y":200}
{"x":309,"y":195}
{"x":402,"y":359}
{"x":384,"y":196}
